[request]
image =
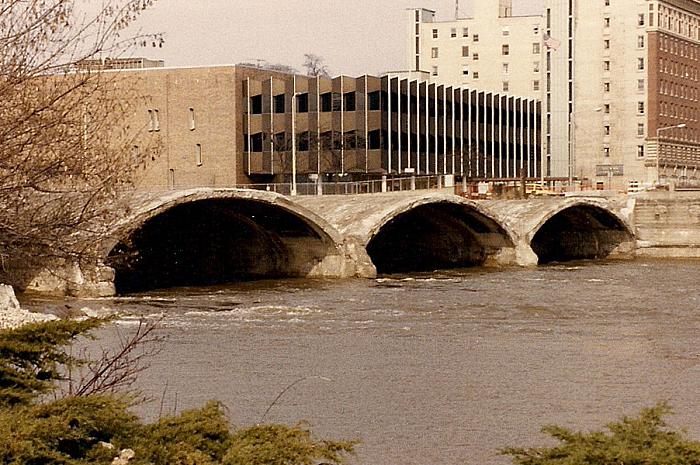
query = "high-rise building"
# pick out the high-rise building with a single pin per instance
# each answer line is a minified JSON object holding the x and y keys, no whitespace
{"x":621,"y":93}
{"x":618,"y":80}
{"x":492,"y":50}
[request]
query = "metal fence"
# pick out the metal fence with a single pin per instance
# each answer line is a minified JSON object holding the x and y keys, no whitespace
{"x":353,"y":187}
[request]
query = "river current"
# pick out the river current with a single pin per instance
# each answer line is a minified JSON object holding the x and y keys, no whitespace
{"x":437,"y":368}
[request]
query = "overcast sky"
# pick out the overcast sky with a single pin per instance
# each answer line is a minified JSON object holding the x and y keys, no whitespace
{"x":354,"y":36}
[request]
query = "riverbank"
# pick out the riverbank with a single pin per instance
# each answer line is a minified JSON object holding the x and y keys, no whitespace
{"x":12,"y":315}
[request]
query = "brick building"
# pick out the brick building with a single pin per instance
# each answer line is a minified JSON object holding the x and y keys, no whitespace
{"x":234,"y":125}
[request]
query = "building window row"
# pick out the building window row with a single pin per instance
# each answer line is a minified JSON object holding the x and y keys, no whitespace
{"x":678,"y":90}
{"x":675,"y":110}
{"x":674,"y":68}
{"x":679,"y":22}
{"x":453,"y":33}
{"x":678,"y":47}
{"x":329,"y":101}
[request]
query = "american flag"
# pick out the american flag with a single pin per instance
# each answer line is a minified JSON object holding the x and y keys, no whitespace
{"x":551,"y":43}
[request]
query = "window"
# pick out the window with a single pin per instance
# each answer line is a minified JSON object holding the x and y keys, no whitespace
{"x":505,"y":86}
{"x":505,"y":68}
{"x":435,"y":33}
{"x":640,"y":41}
{"x":256,"y":104}
{"x":374,"y":100}
{"x":465,"y":51}
{"x":640,"y":19}
{"x":606,"y":129}
{"x":475,"y":56}
{"x":198,"y":154}
{"x":606,"y":108}
{"x":453,"y":32}
{"x":465,"y":71}
{"x":326,"y":102}
{"x":465,"y":32}
{"x":640,"y":108}
{"x":303,"y":141}
{"x":536,"y":67}
{"x":505,"y":49}
{"x":606,"y":151}
{"x":640,"y":84}
{"x":434,"y":52}
{"x":191,"y":119}
{"x":375,"y":139}
{"x":606,"y":22}
{"x":278,"y":103}
{"x":606,"y":44}
{"x":155,"y":120}
{"x":475,"y":75}
{"x":640,"y":64}
{"x":303,"y":103}
{"x":256,"y":142}
{"x":151,"y":121}
{"x":606,"y":87}
{"x":506,"y":31}
{"x":475,"y":37}
{"x":640,"y":151}
{"x":279,"y":142}
{"x":535,"y":85}
{"x":606,"y":65}
{"x":607,"y":2}
{"x":349,"y":101}
{"x":435,"y":71}
{"x":535,"y":29}
{"x":536,"y":48}
{"x":640,"y":129}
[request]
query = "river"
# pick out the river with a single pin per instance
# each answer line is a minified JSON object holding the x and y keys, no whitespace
{"x":439,"y":368}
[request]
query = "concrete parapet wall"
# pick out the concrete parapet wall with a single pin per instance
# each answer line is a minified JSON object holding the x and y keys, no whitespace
{"x":667,"y":224}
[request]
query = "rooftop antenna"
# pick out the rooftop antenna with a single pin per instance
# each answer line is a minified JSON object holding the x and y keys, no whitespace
{"x":456,"y":10}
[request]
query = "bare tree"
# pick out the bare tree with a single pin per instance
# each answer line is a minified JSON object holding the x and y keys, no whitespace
{"x":67,"y":152}
{"x":315,"y":65}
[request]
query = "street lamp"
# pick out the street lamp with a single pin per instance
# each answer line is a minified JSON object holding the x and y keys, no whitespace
{"x":658,"y":148}
{"x":572,"y":146}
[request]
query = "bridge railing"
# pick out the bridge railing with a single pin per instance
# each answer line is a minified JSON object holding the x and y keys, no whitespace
{"x":353,"y":187}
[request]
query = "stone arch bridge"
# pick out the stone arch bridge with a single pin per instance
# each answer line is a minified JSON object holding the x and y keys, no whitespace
{"x":210,"y":236}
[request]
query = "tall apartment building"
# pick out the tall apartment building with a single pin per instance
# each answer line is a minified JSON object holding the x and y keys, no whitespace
{"x":622,"y":80}
{"x":492,"y":50}
{"x":610,"y":74}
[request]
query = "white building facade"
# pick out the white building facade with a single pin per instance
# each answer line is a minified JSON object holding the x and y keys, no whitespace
{"x":609,"y":73}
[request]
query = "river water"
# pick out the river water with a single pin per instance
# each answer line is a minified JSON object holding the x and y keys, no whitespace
{"x":438,"y":368}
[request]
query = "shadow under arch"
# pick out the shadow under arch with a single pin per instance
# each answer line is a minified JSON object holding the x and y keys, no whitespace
{"x":582,"y":231}
{"x":206,"y":241}
{"x":437,"y":234}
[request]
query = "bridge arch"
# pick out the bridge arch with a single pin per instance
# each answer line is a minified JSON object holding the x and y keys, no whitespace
{"x":581,"y":229}
{"x":437,"y":232}
{"x":214,"y":236}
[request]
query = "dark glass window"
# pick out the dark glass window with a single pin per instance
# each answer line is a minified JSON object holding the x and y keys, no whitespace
{"x":303,"y":103}
{"x":303,"y":142}
{"x":374,"y":100}
{"x":375,"y":140}
{"x":256,"y":104}
{"x":278,"y":103}
{"x":349,"y":101}
{"x":256,"y":142}
{"x":326,"y":102}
